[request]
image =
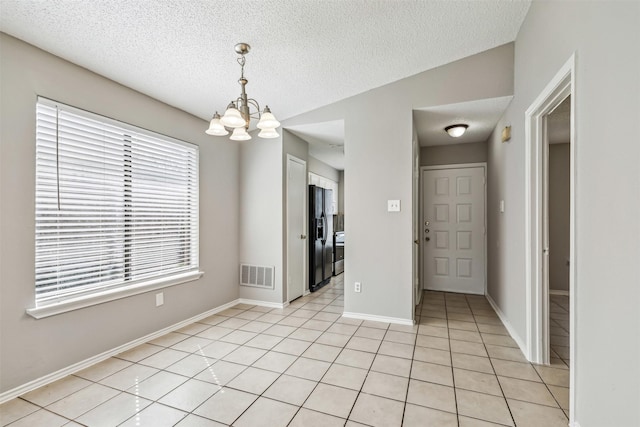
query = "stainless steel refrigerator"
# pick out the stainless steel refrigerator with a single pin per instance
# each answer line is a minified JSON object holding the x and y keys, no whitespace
{"x":321,"y":237}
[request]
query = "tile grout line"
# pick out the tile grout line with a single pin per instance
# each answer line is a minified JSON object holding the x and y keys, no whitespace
{"x":329,"y":300}
{"x":504,"y":397}
{"x":453,"y":378}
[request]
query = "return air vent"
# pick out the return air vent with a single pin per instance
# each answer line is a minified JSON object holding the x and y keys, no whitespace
{"x":257,"y":275}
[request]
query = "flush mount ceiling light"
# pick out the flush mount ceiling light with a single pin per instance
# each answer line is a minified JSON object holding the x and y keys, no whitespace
{"x":456,"y":131}
{"x":238,"y":114}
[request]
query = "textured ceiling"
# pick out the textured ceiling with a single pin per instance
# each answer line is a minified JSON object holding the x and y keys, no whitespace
{"x":481,"y":116}
{"x":305,"y":53}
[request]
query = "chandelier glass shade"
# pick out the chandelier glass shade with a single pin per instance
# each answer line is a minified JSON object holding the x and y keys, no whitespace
{"x":268,"y":133}
{"x":216,"y":127}
{"x":240,"y":134}
{"x":240,"y":111}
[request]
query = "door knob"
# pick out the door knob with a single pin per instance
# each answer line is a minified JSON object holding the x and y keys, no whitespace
{"x":426,"y":230}
{"x":426,"y":223}
{"x":427,"y":239}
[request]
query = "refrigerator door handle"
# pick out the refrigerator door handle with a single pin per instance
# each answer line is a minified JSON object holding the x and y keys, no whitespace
{"x":324,"y":227}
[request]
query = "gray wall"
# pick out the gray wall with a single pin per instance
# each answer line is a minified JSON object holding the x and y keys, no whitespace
{"x":559,"y":193}
{"x":604,"y":37}
{"x":455,"y":153}
{"x":321,"y":168}
{"x":379,"y":162}
{"x":33,"y":348}
{"x":262,"y":212}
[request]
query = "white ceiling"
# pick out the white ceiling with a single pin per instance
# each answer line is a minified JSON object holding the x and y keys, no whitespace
{"x":326,"y":141}
{"x":481,"y":116}
{"x":305,"y":53}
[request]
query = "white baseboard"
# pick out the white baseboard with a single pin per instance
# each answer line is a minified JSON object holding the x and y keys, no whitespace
{"x":54,"y":376}
{"x":481,"y":292}
{"x":510,"y":329}
{"x":362,"y":316}
{"x":574,"y":424}
{"x":558,"y":292}
{"x":263,"y":303}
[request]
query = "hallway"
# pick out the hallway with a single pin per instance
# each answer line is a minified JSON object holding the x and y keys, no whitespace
{"x":305,"y":365}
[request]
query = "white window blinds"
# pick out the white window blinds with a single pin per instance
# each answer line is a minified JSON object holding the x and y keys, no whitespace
{"x":116,"y":206}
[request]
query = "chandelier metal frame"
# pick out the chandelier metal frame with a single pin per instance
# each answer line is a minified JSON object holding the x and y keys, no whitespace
{"x":238,"y":115}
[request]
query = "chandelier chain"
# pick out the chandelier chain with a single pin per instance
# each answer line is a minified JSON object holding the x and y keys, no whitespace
{"x":241,"y":61}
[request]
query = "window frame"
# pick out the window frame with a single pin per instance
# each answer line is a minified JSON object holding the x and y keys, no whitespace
{"x":99,"y":293}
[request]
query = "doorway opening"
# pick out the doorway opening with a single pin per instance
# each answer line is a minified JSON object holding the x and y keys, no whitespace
{"x":558,"y":196}
{"x":550,"y":319}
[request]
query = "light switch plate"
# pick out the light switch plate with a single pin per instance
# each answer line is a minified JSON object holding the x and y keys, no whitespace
{"x":393,"y":205}
{"x":502,"y":206}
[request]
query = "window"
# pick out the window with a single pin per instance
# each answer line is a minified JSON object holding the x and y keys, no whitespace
{"x":116,"y":207}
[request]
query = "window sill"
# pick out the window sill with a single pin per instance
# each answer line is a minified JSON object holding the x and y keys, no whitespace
{"x":111,"y":295}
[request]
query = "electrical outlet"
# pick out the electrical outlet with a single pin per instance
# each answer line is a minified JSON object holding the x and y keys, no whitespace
{"x":393,"y":205}
{"x":159,"y":299}
{"x":358,"y":287}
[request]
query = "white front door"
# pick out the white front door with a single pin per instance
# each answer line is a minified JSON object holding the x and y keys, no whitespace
{"x":296,"y":227}
{"x":453,"y":229}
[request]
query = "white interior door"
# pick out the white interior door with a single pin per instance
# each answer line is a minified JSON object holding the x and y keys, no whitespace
{"x":296,"y":227}
{"x":453,"y":229}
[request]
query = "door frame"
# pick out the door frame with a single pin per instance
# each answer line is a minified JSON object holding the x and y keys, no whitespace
{"x":423,"y":169}
{"x":536,"y":186}
{"x":291,"y":158}
{"x":416,"y":273}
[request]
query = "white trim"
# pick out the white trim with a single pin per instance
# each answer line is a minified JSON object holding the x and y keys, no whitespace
{"x":76,"y":367}
{"x":305,"y":245}
{"x":373,"y":317}
{"x":486,"y":234}
{"x":309,"y":176}
{"x":416,"y":262}
{"x":263,"y":303}
{"x":536,"y":291}
{"x":455,"y":166}
{"x":455,"y":291}
{"x":574,"y":424}
{"x":507,"y":324}
{"x":562,"y":85}
{"x":112,"y":295}
{"x":558,"y":292}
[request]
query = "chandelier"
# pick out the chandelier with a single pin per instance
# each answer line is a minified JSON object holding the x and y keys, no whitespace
{"x":238,"y":114}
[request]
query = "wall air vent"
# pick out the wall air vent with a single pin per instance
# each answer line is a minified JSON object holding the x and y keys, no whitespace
{"x":258,"y":276}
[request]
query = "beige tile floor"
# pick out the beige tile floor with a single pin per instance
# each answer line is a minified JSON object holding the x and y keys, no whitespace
{"x":559,"y":327}
{"x":307,"y":366}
